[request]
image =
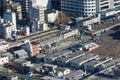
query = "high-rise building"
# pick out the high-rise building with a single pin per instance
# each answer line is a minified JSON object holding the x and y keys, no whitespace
{"x":56,"y":4}
{"x":103,"y":5}
{"x":10,"y":17}
{"x":25,"y":7}
{"x":37,"y":17}
{"x":87,"y":7}
{"x":2,"y":7}
{"x":16,"y":7}
{"x":79,"y":7}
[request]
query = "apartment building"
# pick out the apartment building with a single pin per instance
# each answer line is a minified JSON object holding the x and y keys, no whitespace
{"x":9,"y":30}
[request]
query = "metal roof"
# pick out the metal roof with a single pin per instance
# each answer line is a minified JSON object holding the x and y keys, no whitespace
{"x":20,"y":52}
{"x":59,"y":54}
{"x":8,"y":54}
{"x":84,"y":58}
{"x":70,"y":57}
{"x":75,"y":74}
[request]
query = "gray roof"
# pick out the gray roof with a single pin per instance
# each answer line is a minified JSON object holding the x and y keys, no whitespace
{"x":75,"y":74}
{"x":70,"y":57}
{"x":20,"y":60}
{"x":92,"y":63}
{"x":20,"y":52}
{"x":59,"y":54}
{"x":84,"y":58}
{"x":51,"y":78}
{"x":8,"y":54}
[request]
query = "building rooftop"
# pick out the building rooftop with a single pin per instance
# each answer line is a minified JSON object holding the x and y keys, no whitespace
{"x":75,"y":75}
{"x":51,"y":78}
{"x":108,"y":18}
{"x":88,"y":18}
{"x":105,"y":24}
{"x":75,"y":47}
{"x":2,"y":41}
{"x":84,"y":58}
{"x":60,"y":69}
{"x":51,"y":40}
{"x":35,"y":66}
{"x":101,"y":60}
{"x":49,"y":65}
{"x":59,"y":54}
{"x":20,"y":52}
{"x":21,"y":61}
{"x":70,"y":56}
{"x":8,"y":54}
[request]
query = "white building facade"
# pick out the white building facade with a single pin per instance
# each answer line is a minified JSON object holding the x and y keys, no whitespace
{"x":79,"y":7}
{"x":87,"y":7}
{"x":4,"y":60}
{"x":103,"y":5}
{"x":7,"y":29}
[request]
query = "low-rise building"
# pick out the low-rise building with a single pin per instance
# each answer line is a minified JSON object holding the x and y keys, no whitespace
{"x":60,"y":72}
{"x":50,"y":78}
{"x":9,"y":55}
{"x":95,"y":65}
{"x":78,"y":62}
{"x":36,"y":67}
{"x":22,"y":62}
{"x":42,"y":68}
{"x":117,"y":71}
{"x":22,"y":54}
{"x":64,"y":60}
{"x":3,"y":47}
{"x":3,"y":60}
{"x":31,"y":48}
{"x":76,"y":47}
{"x":90,"y":46}
{"x":76,"y":75}
{"x":50,"y":67}
{"x":70,"y":33}
{"x":52,"y":57}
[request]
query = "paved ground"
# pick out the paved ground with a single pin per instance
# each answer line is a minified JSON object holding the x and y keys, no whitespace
{"x":111,"y":40}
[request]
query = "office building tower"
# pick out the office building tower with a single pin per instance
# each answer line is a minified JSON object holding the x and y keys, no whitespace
{"x":88,"y":7}
{"x":79,"y":7}
{"x":25,"y":8}
{"x":56,"y":4}
{"x":10,"y":17}
{"x":2,"y":7}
